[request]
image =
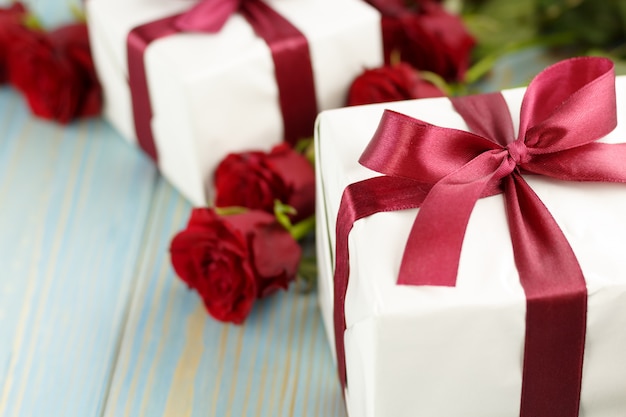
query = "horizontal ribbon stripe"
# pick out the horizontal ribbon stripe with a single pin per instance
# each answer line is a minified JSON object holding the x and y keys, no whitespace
{"x":451,"y":169}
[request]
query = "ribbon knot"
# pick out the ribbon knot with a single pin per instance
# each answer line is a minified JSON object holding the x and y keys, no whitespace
{"x":518,"y":152}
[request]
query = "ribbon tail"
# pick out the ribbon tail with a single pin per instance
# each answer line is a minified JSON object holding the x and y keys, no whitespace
{"x":556,"y":301}
{"x":360,"y":200}
{"x":433,"y":249}
{"x":292,"y":67}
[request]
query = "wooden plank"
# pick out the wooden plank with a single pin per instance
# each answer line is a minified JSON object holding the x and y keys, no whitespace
{"x":50,"y":13}
{"x":177,"y":361}
{"x":73,"y":206}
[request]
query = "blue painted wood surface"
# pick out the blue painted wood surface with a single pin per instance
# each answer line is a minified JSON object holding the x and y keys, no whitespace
{"x":93,"y":321}
{"x":73,"y":208}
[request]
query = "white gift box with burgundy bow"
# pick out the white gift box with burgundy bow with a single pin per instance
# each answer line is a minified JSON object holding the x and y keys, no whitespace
{"x":458,"y":351}
{"x":212,"y":94}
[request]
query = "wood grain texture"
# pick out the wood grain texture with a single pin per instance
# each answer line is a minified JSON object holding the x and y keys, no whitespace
{"x":177,"y":361}
{"x":73,"y":207}
{"x":85,"y":223}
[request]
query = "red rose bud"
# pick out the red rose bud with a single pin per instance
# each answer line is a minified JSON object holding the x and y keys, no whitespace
{"x":428,"y":37}
{"x":11,"y":23}
{"x":56,"y":74}
{"x":391,"y":83}
{"x":255,"y":179}
{"x":233,"y":260}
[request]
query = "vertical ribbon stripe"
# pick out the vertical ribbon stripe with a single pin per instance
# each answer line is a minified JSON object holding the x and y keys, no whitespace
{"x":292,"y":67}
{"x":138,"y":41}
{"x":556,"y":306}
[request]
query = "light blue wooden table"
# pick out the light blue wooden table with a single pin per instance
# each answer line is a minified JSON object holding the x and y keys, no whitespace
{"x":93,"y":321}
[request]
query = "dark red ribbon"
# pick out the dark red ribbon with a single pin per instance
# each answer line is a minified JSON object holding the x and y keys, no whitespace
{"x":445,"y":171}
{"x":289,"y":48}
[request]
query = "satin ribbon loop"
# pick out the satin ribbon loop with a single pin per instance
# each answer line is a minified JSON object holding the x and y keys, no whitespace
{"x":551,"y":114}
{"x":406,"y":147}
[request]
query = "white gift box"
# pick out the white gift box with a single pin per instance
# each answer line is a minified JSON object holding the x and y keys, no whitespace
{"x":216,"y":94}
{"x":458,"y":351}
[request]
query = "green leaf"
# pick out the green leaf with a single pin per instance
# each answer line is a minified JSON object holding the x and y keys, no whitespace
{"x":303,"y":228}
{"x":299,"y":230}
{"x":32,"y":22}
{"x":307,"y":275}
{"x":306,"y":147}
{"x":282,"y":212}
{"x":229,"y":211}
{"x":436,"y":80}
{"x":302,"y":145}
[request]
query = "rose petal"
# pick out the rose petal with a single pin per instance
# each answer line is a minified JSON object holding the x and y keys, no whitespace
{"x":276,"y":258}
{"x":299,"y":176}
{"x":390,"y":83}
{"x":245,"y":180}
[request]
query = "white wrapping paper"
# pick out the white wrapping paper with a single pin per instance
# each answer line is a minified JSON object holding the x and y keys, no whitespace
{"x":215,"y":94}
{"x":452,"y":352}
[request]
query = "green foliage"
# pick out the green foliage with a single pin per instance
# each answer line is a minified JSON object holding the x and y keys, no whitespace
{"x":595,"y":23}
{"x":307,"y":274}
{"x":568,"y":27}
{"x":230,"y":211}
{"x":498,"y":23}
{"x":299,"y":230}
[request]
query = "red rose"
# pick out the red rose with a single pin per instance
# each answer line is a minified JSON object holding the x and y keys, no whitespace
{"x":390,"y":83}
{"x":11,"y":19}
{"x":255,"y":179}
{"x":426,"y":36}
{"x":55,"y":72}
{"x":232,"y":260}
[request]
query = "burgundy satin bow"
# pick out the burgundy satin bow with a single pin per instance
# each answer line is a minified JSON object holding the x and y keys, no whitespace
{"x":445,"y":171}
{"x":289,"y":48}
